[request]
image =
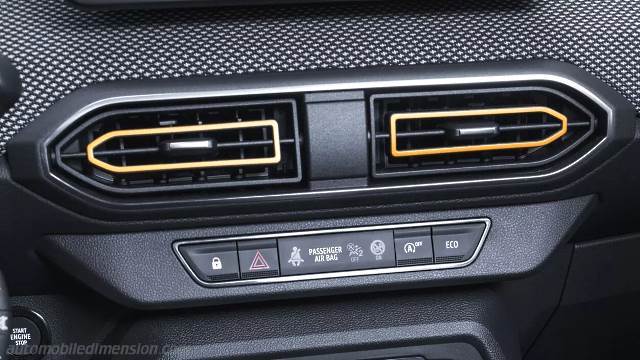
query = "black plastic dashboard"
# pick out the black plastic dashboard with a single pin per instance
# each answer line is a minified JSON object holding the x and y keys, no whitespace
{"x":333,"y":148}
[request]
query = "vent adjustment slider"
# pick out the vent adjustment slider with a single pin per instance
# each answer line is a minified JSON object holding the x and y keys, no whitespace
{"x":189,"y":147}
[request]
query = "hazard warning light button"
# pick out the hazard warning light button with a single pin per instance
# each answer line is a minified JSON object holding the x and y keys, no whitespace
{"x":258,"y":259}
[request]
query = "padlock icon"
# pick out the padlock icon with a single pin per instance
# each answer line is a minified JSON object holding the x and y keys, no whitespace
{"x":216,"y":263}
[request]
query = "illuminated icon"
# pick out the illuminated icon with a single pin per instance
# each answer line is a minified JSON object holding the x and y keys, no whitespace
{"x":295,"y":259}
{"x":216,"y":263}
{"x":377,"y":248}
{"x":355,"y":252}
{"x":409,"y":248}
{"x":259,"y":262}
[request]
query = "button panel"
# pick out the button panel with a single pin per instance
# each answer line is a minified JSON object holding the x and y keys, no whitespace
{"x":333,"y":253}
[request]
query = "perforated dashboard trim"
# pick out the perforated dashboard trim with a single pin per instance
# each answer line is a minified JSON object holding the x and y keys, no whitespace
{"x":58,"y":48}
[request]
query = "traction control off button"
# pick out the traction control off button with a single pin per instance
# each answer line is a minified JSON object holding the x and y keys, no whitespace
{"x":456,"y":243}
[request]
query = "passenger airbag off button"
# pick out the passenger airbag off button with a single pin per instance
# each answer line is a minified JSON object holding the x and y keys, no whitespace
{"x":456,"y":243}
{"x":336,"y":252}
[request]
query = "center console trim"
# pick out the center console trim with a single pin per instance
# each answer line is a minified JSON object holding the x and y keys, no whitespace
{"x":176,"y":245}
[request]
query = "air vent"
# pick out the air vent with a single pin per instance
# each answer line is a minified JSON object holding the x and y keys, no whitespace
{"x":484,"y":129}
{"x":147,"y":149}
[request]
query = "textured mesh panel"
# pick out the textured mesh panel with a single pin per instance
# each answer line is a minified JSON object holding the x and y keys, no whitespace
{"x":59,"y":48}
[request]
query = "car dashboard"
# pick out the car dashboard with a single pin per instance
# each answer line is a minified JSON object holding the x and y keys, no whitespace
{"x":406,"y":180}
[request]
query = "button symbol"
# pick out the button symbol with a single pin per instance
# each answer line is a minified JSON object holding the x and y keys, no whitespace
{"x":412,"y":247}
{"x":355,"y":252}
{"x":295,"y":259}
{"x":216,"y":263}
{"x":377,"y":248}
{"x":259,"y":262}
{"x":409,"y":248}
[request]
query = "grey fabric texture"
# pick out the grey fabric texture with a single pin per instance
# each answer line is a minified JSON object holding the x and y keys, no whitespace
{"x":59,"y":48}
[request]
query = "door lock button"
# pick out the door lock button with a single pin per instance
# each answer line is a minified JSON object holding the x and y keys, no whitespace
{"x":213,"y":262}
{"x":456,"y":243}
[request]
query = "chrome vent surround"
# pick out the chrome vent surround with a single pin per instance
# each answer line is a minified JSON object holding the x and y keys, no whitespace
{"x":140,"y":149}
{"x":444,"y":132}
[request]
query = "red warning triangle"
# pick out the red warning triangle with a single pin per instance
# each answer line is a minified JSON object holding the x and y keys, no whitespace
{"x":259,"y":262}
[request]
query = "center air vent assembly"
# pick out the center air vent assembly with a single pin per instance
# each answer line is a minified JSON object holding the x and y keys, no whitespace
{"x":142,"y":149}
{"x":461,"y":131}
{"x":318,"y":139}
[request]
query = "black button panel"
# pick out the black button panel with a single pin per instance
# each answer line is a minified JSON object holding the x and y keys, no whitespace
{"x":333,"y":253}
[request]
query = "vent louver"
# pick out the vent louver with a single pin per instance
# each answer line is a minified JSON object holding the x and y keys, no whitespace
{"x":182,"y":147}
{"x":485,"y":129}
